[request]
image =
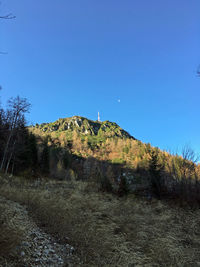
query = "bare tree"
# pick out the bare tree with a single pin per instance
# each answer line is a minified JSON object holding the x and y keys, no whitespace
{"x":190,"y":158}
{"x":189,"y":154}
{"x":17,"y":108}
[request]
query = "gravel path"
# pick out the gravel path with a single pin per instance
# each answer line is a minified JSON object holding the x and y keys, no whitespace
{"x":38,"y":248}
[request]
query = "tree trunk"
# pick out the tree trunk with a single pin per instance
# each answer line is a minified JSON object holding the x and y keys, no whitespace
{"x":11,"y":154}
{"x":8,"y":163}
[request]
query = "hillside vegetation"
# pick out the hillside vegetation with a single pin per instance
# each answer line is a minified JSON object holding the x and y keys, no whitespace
{"x":116,"y":200}
{"x":84,"y":127}
{"x":82,"y":149}
{"x":86,"y":150}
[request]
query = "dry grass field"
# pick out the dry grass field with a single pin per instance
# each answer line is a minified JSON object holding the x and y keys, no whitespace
{"x":105,"y":230}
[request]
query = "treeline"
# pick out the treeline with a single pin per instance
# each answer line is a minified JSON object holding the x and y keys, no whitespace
{"x":21,"y":153}
{"x":125,"y":165}
{"x":175,"y":177}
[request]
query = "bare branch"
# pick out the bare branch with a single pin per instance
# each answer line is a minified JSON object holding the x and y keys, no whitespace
{"x":189,"y":154}
{"x":8,"y":16}
{"x":19,"y":105}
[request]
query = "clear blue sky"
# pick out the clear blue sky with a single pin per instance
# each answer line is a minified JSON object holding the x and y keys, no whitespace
{"x":75,"y":57}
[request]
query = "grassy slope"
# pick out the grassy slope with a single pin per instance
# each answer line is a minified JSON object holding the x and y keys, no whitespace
{"x":106,"y":230}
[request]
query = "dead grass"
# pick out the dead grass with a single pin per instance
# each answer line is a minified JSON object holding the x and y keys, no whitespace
{"x":10,"y":235}
{"x":107,"y":231}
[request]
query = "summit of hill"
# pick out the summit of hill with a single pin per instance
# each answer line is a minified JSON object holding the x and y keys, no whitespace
{"x":84,"y":127}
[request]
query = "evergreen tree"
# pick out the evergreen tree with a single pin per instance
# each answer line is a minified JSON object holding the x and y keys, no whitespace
{"x":33,"y":153}
{"x":44,"y":161}
{"x":123,"y":187}
{"x":66,"y":160}
{"x":155,"y":169}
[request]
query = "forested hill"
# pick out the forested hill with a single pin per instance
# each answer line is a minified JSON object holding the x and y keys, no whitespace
{"x":83,"y":126}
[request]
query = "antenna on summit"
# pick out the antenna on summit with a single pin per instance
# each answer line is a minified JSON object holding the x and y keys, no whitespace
{"x":99,"y":117}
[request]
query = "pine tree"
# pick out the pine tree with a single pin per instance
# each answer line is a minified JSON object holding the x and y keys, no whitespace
{"x":44,"y":161}
{"x":155,"y":169}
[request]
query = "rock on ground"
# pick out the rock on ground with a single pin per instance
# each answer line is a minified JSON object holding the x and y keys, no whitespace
{"x":38,"y":248}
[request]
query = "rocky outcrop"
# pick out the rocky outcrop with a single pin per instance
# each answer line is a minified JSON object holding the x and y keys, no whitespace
{"x":84,"y":127}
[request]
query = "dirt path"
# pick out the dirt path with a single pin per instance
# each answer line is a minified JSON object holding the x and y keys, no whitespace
{"x":38,"y":248}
